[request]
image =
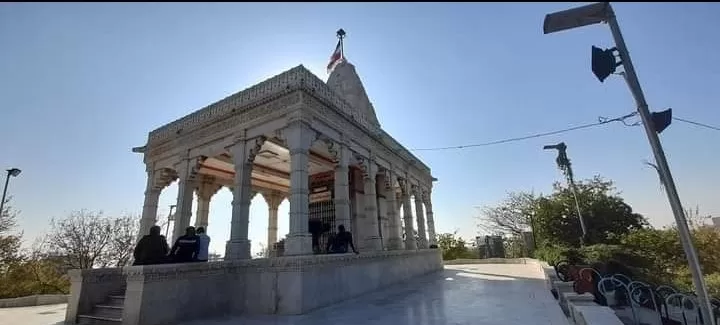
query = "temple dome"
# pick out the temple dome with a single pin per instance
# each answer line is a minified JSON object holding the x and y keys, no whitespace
{"x":345,"y":81}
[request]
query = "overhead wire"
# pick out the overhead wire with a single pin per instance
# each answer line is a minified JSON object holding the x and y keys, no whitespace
{"x":601,"y":120}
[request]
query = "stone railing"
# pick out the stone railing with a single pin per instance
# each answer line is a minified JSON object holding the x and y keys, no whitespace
{"x":164,"y":294}
{"x":90,"y":287}
{"x":34,"y":300}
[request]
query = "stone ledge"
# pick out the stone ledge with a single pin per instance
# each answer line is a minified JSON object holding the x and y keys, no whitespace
{"x":34,"y":300}
{"x":275,"y":264}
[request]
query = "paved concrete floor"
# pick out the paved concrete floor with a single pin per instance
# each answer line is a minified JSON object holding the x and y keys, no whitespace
{"x":38,"y":315}
{"x":501,"y":294}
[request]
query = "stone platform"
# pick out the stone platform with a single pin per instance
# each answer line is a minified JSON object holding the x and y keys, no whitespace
{"x":167,"y":294}
{"x":503,"y":294}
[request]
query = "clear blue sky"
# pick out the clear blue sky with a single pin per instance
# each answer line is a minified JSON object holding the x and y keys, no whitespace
{"x":81,"y":84}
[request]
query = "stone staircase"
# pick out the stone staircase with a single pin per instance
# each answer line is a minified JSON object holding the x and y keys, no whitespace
{"x":106,"y":313}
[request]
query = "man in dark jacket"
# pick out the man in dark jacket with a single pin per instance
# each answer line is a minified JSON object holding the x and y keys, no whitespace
{"x":186,"y":248}
{"x":340,"y":243}
{"x":151,"y":249}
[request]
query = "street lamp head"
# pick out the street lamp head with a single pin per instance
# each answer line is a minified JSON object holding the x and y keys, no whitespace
{"x":14,"y":172}
{"x":577,"y":17}
{"x":560,"y":146}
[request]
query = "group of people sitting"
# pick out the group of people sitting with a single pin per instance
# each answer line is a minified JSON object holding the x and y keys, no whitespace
{"x":153,"y":248}
{"x":194,"y":245}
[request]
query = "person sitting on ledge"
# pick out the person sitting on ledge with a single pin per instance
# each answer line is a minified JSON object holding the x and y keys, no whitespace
{"x":186,"y":248}
{"x":339,"y":243}
{"x":151,"y":249}
{"x":204,"y":245}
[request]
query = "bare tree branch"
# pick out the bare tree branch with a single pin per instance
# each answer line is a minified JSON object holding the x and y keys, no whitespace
{"x":89,"y":240}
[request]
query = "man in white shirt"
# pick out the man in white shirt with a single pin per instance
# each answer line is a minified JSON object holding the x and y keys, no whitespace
{"x":204,"y":240}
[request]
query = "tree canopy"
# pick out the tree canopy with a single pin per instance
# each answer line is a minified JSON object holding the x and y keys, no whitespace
{"x":554,"y":218}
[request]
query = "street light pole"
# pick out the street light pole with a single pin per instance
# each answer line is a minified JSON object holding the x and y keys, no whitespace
{"x":170,"y":217}
{"x":14,"y":172}
{"x":599,"y":12}
{"x":667,"y":179}
{"x":563,"y":163}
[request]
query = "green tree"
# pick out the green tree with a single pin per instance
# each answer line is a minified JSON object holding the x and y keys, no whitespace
{"x":606,"y":215}
{"x":453,"y":247}
{"x":9,"y":239}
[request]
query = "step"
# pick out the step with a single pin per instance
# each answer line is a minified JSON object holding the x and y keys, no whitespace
{"x":109,"y":311}
{"x":116,"y":300}
{"x":97,"y":320}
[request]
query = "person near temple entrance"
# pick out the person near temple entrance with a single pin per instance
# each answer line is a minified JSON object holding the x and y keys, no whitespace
{"x":339,"y":243}
{"x":151,"y":249}
{"x":186,"y":248}
{"x":204,"y":239}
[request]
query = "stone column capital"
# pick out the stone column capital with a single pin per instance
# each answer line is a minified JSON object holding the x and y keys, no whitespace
{"x":298,"y":136}
{"x":416,"y":191}
{"x":368,"y":167}
{"x":273,"y":199}
{"x":207,"y":187}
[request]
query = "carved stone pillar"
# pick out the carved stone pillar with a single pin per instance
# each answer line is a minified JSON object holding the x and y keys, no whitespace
{"x":150,"y":206}
{"x":341,"y":155}
{"x":243,"y":155}
{"x":381,"y":203}
{"x":394,"y":239}
{"x":299,"y":138}
{"x":430,"y":218}
{"x":417,"y":193}
{"x":370,"y":240}
{"x":205,"y":191}
{"x":187,"y":172}
{"x":410,"y":243}
{"x":273,"y":200}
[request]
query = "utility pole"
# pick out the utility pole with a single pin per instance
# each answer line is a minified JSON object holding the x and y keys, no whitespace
{"x":563,"y":163}
{"x":170,"y":218}
{"x":603,"y":65}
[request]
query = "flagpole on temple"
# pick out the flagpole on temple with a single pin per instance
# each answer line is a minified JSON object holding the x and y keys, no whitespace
{"x":341,"y":36}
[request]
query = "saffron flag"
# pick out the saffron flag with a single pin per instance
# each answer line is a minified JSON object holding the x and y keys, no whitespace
{"x":335,"y":57}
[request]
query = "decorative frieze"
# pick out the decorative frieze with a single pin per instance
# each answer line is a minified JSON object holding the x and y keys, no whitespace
{"x":275,"y":94}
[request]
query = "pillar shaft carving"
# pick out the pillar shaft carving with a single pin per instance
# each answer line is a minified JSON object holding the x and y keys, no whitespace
{"x":273,"y":200}
{"x":394,"y":237}
{"x":187,"y":180}
{"x":243,"y":153}
{"x":368,"y":231}
{"x":299,"y":137}
{"x":341,"y":156}
{"x":206,"y":188}
{"x":430,"y":217}
{"x":410,"y":243}
{"x":157,"y":180}
{"x":420,"y":215}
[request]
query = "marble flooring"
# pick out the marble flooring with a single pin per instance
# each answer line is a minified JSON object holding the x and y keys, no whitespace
{"x":502,"y":294}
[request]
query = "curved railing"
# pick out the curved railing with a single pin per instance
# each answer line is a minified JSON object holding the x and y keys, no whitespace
{"x":644,"y":302}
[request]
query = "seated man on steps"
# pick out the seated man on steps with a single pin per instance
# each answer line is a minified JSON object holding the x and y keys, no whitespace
{"x":186,"y":248}
{"x":338,"y":244}
{"x":152,"y":248}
